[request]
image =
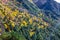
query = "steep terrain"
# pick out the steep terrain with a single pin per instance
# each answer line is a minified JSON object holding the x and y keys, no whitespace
{"x":50,"y":7}
{"x":23,"y":20}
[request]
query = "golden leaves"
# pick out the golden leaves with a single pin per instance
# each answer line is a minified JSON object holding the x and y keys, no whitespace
{"x":23,"y":23}
{"x":0,"y":30}
{"x":40,"y":26}
{"x":14,"y":13}
{"x":46,"y":24}
{"x":7,"y":9}
{"x":22,"y":19}
{"x":31,"y":21}
{"x":6,"y":26}
{"x":1,"y":15}
{"x":31,"y":33}
{"x":12,"y":23}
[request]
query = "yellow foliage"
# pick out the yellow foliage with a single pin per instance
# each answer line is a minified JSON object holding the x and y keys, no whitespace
{"x":41,"y":15}
{"x":6,"y":26}
{"x":31,"y":33}
{"x":28,"y":15}
{"x":40,"y":26}
{"x":21,"y":18}
{"x":7,"y":9}
{"x":34,"y":23}
{"x":0,"y":30}
{"x":14,"y":13}
{"x":24,"y":23}
{"x":1,"y":14}
{"x":46,"y":24}
{"x":12,"y":23}
{"x":34,"y":18}
{"x":31,"y":21}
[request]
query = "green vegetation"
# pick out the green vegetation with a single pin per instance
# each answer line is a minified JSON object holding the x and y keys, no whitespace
{"x":21,"y":25}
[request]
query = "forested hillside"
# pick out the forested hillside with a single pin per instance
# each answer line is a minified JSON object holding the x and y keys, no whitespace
{"x":23,"y":20}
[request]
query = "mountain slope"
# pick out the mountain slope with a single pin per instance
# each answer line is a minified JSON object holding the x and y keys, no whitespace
{"x":51,"y":6}
{"x":33,"y":9}
{"x":22,"y":18}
